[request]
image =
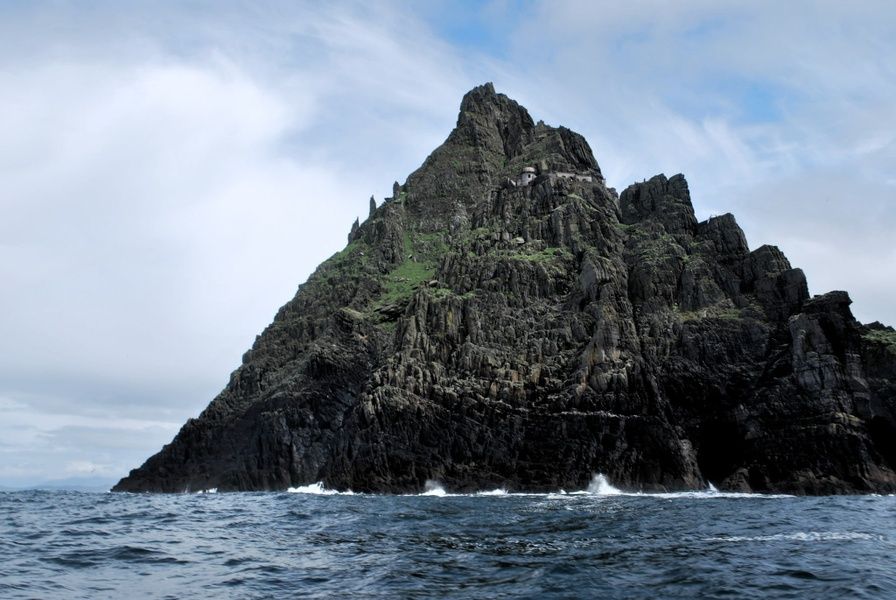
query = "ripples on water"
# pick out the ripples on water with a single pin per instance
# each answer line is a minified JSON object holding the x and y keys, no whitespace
{"x":257,"y":545}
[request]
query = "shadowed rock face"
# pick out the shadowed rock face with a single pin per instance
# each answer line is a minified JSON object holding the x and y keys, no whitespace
{"x":486,"y":334}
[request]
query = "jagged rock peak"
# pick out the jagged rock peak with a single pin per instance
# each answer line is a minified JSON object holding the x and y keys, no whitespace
{"x":665,"y":200}
{"x":484,"y":101}
{"x":494,"y":140}
{"x":489,"y":330}
{"x":726,"y":236}
{"x":504,"y":131}
{"x":493,"y":123}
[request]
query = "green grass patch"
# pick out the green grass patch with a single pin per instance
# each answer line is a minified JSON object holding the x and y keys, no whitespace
{"x":351,"y":261}
{"x":549,"y":254}
{"x":349,"y":251}
{"x":440,"y":292}
{"x":422,"y":253}
{"x":443,"y":292}
{"x":882,"y":336}
{"x":403,"y":280}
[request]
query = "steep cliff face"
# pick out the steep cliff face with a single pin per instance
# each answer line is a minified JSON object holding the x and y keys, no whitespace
{"x":487,"y":334}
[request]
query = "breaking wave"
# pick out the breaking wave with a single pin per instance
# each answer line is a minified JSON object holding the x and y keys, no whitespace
{"x":495,"y":492}
{"x":600,"y":485}
{"x":318,"y":489}
{"x":433,"y":488}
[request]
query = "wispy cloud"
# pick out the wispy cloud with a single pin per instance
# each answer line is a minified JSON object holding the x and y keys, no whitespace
{"x":170,"y":176}
{"x":172,"y":172}
{"x":781,"y":113}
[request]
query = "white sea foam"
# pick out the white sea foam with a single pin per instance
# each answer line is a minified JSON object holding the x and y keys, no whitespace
{"x":801,"y":536}
{"x":433,"y":488}
{"x":600,"y":486}
{"x":709,"y":495}
{"x":318,"y":489}
{"x":496,"y":492}
{"x":208,"y":491}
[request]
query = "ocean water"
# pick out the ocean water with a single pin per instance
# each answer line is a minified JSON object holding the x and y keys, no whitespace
{"x":315,"y":544}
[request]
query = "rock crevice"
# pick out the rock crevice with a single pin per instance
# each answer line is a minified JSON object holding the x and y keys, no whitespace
{"x":488,"y":334}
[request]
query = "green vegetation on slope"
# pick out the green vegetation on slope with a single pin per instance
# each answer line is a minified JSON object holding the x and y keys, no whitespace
{"x":422,"y":253}
{"x":887,"y":337}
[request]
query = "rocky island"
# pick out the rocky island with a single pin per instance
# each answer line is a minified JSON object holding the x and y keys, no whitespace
{"x":508,"y":320}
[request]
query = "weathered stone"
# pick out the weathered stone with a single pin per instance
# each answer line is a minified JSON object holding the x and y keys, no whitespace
{"x":667,"y":201}
{"x":488,"y":335}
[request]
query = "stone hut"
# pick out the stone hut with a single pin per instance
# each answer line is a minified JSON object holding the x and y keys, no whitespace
{"x":527,"y":176}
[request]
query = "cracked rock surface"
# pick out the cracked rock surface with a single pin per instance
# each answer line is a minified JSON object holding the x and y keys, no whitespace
{"x":488,"y":334}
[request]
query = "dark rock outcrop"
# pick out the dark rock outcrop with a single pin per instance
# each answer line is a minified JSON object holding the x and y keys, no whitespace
{"x":485,"y":333}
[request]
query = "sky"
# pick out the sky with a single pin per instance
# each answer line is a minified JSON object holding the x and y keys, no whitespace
{"x":171,"y":171}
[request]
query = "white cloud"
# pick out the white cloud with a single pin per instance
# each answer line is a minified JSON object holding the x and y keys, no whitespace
{"x":167,"y":188}
{"x":86,"y":467}
{"x":170,"y":174}
{"x":43,"y":441}
{"x":103,"y":244}
{"x":781,"y":113}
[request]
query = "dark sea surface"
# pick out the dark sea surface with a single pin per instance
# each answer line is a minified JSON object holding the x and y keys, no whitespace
{"x":277,"y":545}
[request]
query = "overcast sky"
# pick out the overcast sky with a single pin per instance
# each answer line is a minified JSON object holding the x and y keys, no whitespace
{"x":170,"y":172}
